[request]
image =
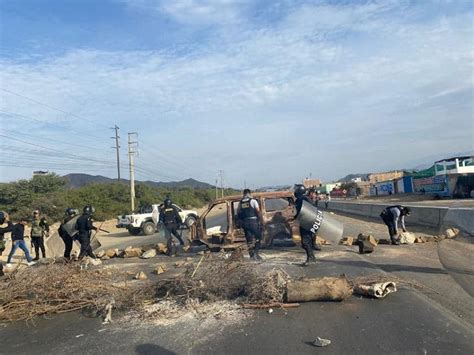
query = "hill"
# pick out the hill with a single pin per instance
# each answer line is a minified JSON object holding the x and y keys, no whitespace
{"x":80,"y":180}
{"x":348,"y":178}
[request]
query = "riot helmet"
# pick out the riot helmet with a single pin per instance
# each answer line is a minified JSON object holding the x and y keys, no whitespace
{"x":70,"y":212}
{"x":167,"y":202}
{"x":2,"y":217}
{"x":88,"y":209}
{"x":299,"y":190}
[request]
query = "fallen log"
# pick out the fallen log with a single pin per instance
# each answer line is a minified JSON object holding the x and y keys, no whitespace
{"x":270,"y":305}
{"x":321,"y":289}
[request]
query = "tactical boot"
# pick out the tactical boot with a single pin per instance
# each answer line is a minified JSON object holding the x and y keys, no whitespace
{"x":395,"y":241}
{"x":257,"y":256}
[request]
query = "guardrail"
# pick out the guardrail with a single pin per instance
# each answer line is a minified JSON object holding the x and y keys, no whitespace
{"x":436,"y":217}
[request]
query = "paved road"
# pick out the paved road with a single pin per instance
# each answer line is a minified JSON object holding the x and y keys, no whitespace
{"x":436,"y":317}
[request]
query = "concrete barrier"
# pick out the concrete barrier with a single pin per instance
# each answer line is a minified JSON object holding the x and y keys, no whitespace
{"x":436,"y":217}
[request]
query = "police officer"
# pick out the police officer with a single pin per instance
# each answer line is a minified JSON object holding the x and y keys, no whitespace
{"x":249,"y":213}
{"x":171,"y":220}
{"x":84,"y":225}
{"x":67,"y":239}
{"x":307,"y":237}
{"x":391,"y":216}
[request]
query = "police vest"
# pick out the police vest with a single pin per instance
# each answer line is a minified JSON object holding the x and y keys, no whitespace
{"x":246,"y":210}
{"x":169,"y":215}
{"x":36,"y":228}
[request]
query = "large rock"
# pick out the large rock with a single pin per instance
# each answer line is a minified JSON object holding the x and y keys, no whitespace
{"x":132,"y":252}
{"x":347,"y":241}
{"x":160,"y":269}
{"x":112,"y":253}
{"x":161,"y":248}
{"x":407,"y":238}
{"x":149,"y":254}
{"x":141,"y":276}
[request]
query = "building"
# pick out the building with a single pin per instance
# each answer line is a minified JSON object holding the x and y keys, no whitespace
{"x":327,"y":188}
{"x":387,"y":176}
{"x":308,"y":183}
{"x":457,"y":175}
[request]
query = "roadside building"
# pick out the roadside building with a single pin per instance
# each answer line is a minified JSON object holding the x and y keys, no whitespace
{"x":457,"y":175}
{"x":384,"y":177}
{"x":309,"y":183}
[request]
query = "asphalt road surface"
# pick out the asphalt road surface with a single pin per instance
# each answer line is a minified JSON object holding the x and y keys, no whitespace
{"x":435,"y":315}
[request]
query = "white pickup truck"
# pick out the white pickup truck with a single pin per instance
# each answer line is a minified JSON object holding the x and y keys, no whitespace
{"x":137,"y":223}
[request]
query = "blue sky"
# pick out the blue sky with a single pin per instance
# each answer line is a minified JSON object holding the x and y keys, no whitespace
{"x":268,"y":91}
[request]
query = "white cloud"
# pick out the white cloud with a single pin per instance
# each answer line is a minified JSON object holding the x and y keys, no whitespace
{"x":196,"y":12}
{"x":323,"y":77}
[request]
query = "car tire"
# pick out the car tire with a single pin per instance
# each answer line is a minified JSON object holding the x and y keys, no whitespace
{"x":134,"y":231}
{"x":190,"y":220}
{"x":148,"y":228}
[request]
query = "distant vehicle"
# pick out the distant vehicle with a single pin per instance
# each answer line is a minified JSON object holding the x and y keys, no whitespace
{"x":219,"y":226}
{"x":142,"y":222}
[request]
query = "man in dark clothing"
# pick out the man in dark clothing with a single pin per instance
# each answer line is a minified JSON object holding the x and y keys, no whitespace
{"x":391,"y":216}
{"x":39,"y":230}
{"x":249,"y":213}
{"x":67,"y":239}
{"x":4,"y":217}
{"x":84,"y":225}
{"x":171,"y":220}
{"x":18,"y":241}
{"x":307,"y":237}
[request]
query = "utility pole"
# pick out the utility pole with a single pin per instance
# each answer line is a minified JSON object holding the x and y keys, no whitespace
{"x":221,"y":175}
{"x":117,"y":148}
{"x":132,"y":151}
{"x":217,"y":193}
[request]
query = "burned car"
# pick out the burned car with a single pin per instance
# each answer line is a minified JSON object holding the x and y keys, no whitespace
{"x":219,"y":226}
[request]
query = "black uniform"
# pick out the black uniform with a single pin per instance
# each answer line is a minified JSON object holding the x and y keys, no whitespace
{"x":84,"y":226}
{"x":171,"y":219}
{"x":67,"y":239}
{"x":250,"y":223}
{"x":307,"y":237}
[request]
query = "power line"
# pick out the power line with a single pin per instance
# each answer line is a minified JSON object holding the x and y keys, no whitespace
{"x":49,"y":106}
{"x":29,"y":118}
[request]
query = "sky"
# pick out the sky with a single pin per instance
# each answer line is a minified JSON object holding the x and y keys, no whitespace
{"x":269,"y":91}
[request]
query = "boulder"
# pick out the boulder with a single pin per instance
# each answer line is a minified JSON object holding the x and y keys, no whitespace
{"x":451,"y":233}
{"x":100,"y":254}
{"x":160,"y":269}
{"x":407,"y":238}
{"x":130,"y":252}
{"x":321,"y":241}
{"x":140,"y":276}
{"x":112,"y":253}
{"x":161,"y":248}
{"x":347,"y":241}
{"x":149,"y":254}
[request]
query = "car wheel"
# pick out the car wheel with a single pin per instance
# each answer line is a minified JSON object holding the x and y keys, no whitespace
{"x":134,"y":231}
{"x":190,"y":220}
{"x":148,"y":228}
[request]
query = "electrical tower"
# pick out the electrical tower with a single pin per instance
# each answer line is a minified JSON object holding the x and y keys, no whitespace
{"x":117,"y":148}
{"x":132,"y":151}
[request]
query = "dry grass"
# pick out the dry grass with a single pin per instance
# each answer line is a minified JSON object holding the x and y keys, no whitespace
{"x":30,"y":292}
{"x":219,"y":280}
